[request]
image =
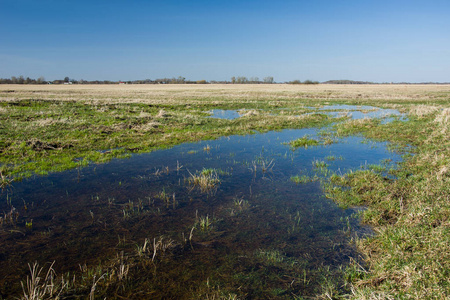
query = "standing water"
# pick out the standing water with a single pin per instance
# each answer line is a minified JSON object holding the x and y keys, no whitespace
{"x":200,"y":220}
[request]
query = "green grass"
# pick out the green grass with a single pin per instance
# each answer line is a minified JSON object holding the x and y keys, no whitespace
{"x":304,"y":142}
{"x":303,"y":179}
{"x":333,"y":158}
{"x":319,"y":164}
{"x":41,"y":136}
{"x":409,"y":257}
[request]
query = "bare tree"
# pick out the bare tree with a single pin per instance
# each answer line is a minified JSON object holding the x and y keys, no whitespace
{"x":268,"y":79}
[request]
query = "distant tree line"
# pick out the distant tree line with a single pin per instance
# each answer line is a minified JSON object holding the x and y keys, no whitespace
{"x":347,"y":82}
{"x":22,"y":80}
{"x":183,"y":80}
{"x":304,"y":82}
{"x":173,"y":80}
{"x":251,"y":80}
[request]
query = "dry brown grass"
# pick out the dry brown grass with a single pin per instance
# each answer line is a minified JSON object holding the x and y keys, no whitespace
{"x":423,"y":110}
{"x":444,"y":117}
{"x":188,"y":93}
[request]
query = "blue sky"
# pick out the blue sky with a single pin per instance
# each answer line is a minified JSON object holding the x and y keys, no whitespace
{"x":379,"y":41}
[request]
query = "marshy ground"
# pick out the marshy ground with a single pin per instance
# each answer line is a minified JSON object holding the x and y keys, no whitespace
{"x":242,"y":205}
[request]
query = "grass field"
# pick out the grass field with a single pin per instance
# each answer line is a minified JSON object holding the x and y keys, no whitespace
{"x":120,"y":119}
{"x":217,"y":94}
{"x":46,"y":128}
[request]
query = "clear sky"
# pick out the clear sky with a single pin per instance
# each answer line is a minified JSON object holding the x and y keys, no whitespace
{"x":368,"y":40}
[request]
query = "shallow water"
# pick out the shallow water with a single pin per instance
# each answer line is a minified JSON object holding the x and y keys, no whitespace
{"x":263,"y":227}
{"x":341,"y":110}
{"x":361,"y":112}
{"x":227,"y":114}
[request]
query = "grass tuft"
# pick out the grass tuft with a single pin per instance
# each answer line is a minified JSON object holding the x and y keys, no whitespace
{"x":303,"y":142}
{"x":303,"y":179}
{"x":206,"y":180}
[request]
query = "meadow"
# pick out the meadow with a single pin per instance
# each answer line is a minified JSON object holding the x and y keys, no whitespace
{"x":213,"y":225}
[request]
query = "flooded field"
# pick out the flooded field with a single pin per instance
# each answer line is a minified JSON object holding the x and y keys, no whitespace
{"x":237,"y":217}
{"x":224,"y":191}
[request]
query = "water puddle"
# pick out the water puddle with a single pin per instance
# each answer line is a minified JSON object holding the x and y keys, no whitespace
{"x":363,"y":112}
{"x":224,"y":212}
{"x":225,"y":114}
{"x":337,"y":111}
